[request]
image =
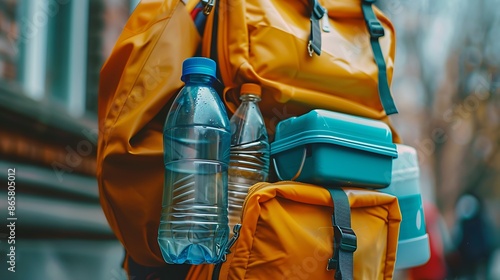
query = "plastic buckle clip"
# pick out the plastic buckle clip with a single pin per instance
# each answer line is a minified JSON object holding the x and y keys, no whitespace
{"x":345,"y":239}
{"x":332,"y":263}
{"x":376,"y":29}
{"x":317,"y":10}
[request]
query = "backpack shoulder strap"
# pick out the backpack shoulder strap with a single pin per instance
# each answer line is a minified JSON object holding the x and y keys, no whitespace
{"x":344,"y":243}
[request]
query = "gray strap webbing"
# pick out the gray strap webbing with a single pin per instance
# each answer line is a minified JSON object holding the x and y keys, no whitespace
{"x":376,"y":31}
{"x":345,"y":242}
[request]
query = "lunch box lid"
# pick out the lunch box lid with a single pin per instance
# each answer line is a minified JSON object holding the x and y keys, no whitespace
{"x":328,"y":127}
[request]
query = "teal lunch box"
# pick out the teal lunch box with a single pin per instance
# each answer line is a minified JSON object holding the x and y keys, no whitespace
{"x":332,"y":149}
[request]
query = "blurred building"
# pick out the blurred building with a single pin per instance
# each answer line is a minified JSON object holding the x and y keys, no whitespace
{"x":51,"y":52}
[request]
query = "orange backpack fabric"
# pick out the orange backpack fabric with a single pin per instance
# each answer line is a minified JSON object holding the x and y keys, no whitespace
{"x":286,"y":233}
{"x":266,"y":42}
{"x":138,"y":80}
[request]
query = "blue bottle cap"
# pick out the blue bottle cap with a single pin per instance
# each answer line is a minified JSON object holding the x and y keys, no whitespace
{"x":198,"y":65}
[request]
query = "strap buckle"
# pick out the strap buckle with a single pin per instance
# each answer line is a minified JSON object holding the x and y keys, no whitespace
{"x":344,"y":239}
{"x":317,"y":10}
{"x":375,"y":28}
{"x":332,"y":264}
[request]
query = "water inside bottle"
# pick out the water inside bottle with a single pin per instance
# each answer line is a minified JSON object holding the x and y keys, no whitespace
{"x":192,"y":228}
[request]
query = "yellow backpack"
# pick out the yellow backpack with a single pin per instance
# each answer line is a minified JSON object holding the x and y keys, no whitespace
{"x":142,"y":75}
{"x":287,"y":233}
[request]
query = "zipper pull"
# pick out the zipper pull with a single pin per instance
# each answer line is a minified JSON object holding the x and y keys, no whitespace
{"x":230,"y":243}
{"x":325,"y":22}
{"x":208,"y":6}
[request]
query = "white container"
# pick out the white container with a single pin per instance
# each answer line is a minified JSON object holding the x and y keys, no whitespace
{"x":413,"y":244}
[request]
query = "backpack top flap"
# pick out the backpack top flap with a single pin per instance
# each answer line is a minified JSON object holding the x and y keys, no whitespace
{"x":287,"y":233}
{"x":266,"y":42}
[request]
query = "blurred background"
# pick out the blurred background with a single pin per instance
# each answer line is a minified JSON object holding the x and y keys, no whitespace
{"x":51,"y":52}
{"x":446,"y":85}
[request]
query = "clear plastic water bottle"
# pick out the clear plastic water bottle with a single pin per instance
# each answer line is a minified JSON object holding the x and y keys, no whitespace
{"x":196,"y":140}
{"x":249,"y":150}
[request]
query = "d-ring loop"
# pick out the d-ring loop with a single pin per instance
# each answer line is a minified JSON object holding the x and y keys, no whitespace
{"x":298,"y":171}
{"x":310,"y":48}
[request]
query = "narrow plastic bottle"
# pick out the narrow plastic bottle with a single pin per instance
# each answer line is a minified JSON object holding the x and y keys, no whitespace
{"x":196,"y":140}
{"x":249,"y":162}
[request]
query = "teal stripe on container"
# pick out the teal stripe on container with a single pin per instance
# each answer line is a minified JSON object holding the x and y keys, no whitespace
{"x":413,"y":223}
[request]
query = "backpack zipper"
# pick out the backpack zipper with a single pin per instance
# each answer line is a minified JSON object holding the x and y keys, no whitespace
{"x":227,"y":247}
{"x":225,"y":71}
{"x":208,"y":6}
